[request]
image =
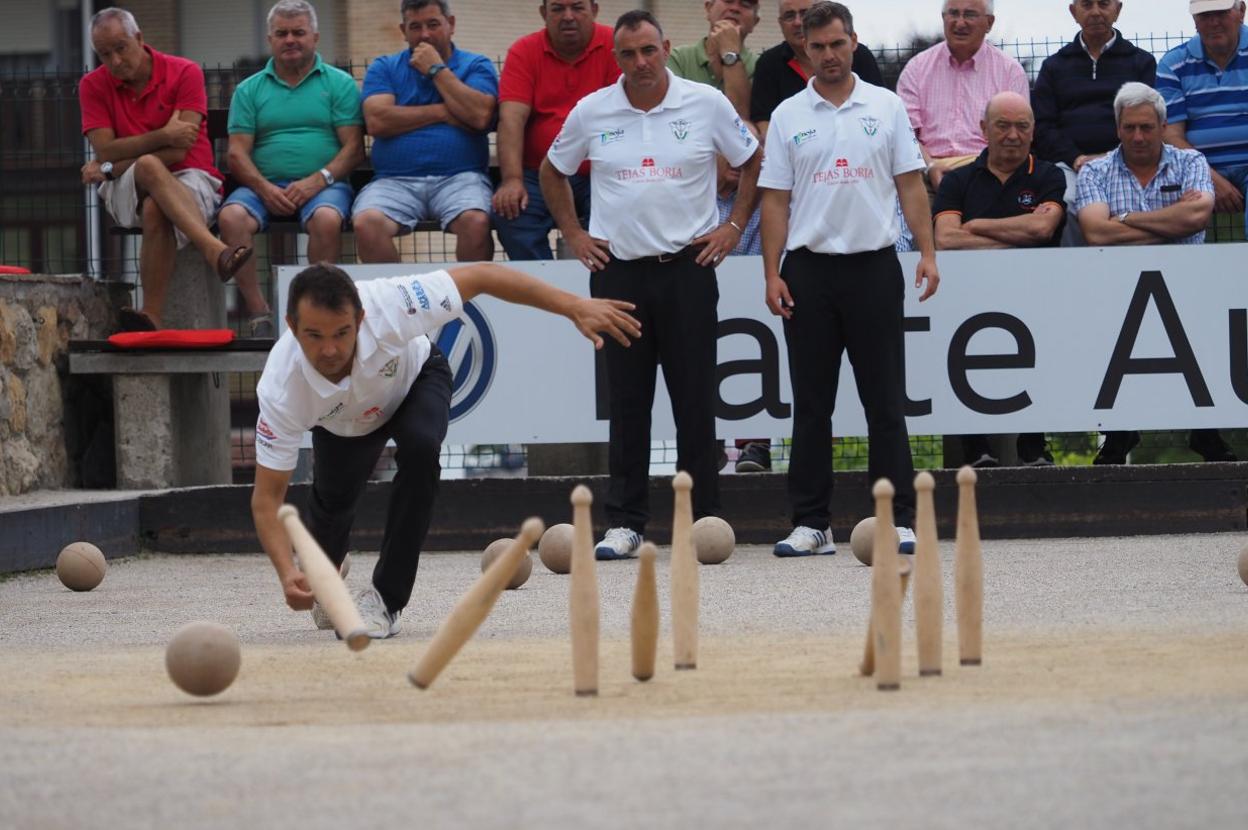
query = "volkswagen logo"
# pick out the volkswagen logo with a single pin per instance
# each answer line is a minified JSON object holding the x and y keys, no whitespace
{"x":469,"y":345}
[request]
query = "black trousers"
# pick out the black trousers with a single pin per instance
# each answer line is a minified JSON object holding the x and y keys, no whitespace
{"x":341,"y":467}
{"x":676,"y":304}
{"x":846,"y":304}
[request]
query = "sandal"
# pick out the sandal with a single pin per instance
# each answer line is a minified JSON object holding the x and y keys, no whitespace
{"x":230,"y":260}
{"x":133,"y":319}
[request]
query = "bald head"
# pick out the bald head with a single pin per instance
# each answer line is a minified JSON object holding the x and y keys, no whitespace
{"x":1010,"y":102}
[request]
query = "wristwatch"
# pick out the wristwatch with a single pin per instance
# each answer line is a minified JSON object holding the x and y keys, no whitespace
{"x":729,"y":58}
{"x":327,"y":176}
{"x":107,"y":169}
{"x":1122,"y":217}
{"x":434,"y":70}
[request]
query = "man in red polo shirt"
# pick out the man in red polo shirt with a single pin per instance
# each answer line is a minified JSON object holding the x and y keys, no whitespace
{"x":143,"y":112}
{"x":546,"y":73}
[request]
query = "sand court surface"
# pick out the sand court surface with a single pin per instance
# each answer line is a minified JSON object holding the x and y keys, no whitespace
{"x":1114,"y":692}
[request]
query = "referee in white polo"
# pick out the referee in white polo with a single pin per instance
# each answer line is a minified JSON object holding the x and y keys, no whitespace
{"x":839,"y":155}
{"x":654,"y":240}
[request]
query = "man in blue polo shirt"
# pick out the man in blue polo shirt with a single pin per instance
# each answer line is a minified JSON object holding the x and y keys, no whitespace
{"x":1205,"y":84}
{"x":429,"y":109}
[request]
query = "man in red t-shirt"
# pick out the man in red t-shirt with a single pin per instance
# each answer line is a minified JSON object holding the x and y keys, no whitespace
{"x":546,"y":73}
{"x":144,"y":112}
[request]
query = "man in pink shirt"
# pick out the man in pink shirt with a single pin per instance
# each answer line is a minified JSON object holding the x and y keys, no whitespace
{"x":144,"y":112}
{"x":946,"y":88}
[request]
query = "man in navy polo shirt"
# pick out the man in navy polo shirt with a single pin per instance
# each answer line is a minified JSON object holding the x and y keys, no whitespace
{"x":429,"y":109}
{"x":1006,"y":198}
{"x":1205,"y":84}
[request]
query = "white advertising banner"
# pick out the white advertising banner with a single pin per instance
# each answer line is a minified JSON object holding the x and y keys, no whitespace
{"x":1062,"y":340}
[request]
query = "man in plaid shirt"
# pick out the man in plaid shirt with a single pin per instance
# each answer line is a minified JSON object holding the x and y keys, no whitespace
{"x":1147,"y":192}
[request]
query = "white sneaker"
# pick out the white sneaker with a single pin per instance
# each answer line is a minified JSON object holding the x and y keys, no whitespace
{"x":905,"y":537}
{"x":379,"y":622}
{"x":618,"y":543}
{"x":806,"y":541}
{"x":319,"y":616}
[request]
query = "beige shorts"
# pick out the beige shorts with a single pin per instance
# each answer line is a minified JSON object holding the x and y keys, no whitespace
{"x":121,"y":198}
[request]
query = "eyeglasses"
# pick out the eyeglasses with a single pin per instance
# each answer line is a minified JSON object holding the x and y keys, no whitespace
{"x":793,"y":14}
{"x":958,"y":14}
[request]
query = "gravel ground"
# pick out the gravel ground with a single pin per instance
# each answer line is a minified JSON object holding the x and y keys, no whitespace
{"x":1114,"y":693}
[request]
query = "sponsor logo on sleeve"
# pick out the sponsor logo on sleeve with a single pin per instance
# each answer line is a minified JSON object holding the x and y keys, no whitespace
{"x":264,"y":430}
{"x":408,"y":302}
{"x":421,"y":296}
{"x":744,"y":131}
{"x":446,"y":304}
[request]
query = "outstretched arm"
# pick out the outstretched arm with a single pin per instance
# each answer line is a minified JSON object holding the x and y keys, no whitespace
{"x":266,"y":497}
{"x":591,"y":317}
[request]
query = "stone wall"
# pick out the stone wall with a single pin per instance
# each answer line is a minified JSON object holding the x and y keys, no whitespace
{"x":50,"y":426}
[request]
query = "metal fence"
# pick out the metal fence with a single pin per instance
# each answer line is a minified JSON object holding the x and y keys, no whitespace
{"x":47,"y":225}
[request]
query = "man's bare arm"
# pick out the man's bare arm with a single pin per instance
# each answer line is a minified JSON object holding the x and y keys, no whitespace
{"x":511,"y":199}
{"x":1026,"y":231}
{"x":267,"y":495}
{"x":951,"y":235}
{"x":1099,"y":229}
{"x":471,"y":107}
{"x":1189,"y":215}
{"x":385,"y":119}
{"x":180,"y":133}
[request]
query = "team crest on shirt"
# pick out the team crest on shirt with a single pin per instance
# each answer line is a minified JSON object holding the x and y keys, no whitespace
{"x":390,"y":369}
{"x":611,"y":136}
{"x":804,"y":136}
{"x":1027,"y":200}
{"x":680,"y":129}
{"x":870,"y":125}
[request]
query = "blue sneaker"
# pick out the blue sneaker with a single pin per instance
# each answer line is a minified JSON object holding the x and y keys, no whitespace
{"x":618,"y":543}
{"x":906,"y":537}
{"x":806,"y":541}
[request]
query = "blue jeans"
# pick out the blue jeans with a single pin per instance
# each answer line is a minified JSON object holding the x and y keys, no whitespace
{"x":337,"y":196}
{"x":1238,"y":176}
{"x":528,"y":235}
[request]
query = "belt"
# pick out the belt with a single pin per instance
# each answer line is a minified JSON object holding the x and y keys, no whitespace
{"x":687,"y":252}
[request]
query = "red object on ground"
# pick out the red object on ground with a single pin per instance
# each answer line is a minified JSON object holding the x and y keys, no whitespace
{"x":173,"y":339}
{"x":13,"y":269}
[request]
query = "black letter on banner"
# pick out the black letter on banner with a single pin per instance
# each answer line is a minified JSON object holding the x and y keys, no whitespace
{"x":1153,"y":285}
{"x":766,"y":366}
{"x":916,"y":409}
{"x":960,"y":362}
{"x":1239,"y":353}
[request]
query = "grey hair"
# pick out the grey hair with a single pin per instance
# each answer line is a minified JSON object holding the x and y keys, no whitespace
{"x":988,"y":6}
{"x":293,"y":8}
{"x":125,"y":18}
{"x":1136,"y":94}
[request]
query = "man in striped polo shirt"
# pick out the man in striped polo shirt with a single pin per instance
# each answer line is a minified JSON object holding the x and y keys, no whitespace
{"x":1205,"y":84}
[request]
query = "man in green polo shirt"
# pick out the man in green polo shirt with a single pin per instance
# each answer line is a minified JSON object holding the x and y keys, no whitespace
{"x":721,"y":59}
{"x":296,"y":133}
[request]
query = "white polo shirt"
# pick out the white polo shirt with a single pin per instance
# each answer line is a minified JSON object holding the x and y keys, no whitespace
{"x":839,"y":163}
{"x":652,"y":179}
{"x":390,"y":351}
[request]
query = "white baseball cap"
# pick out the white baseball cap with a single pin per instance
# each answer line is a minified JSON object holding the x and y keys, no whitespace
{"x":1202,"y":6}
